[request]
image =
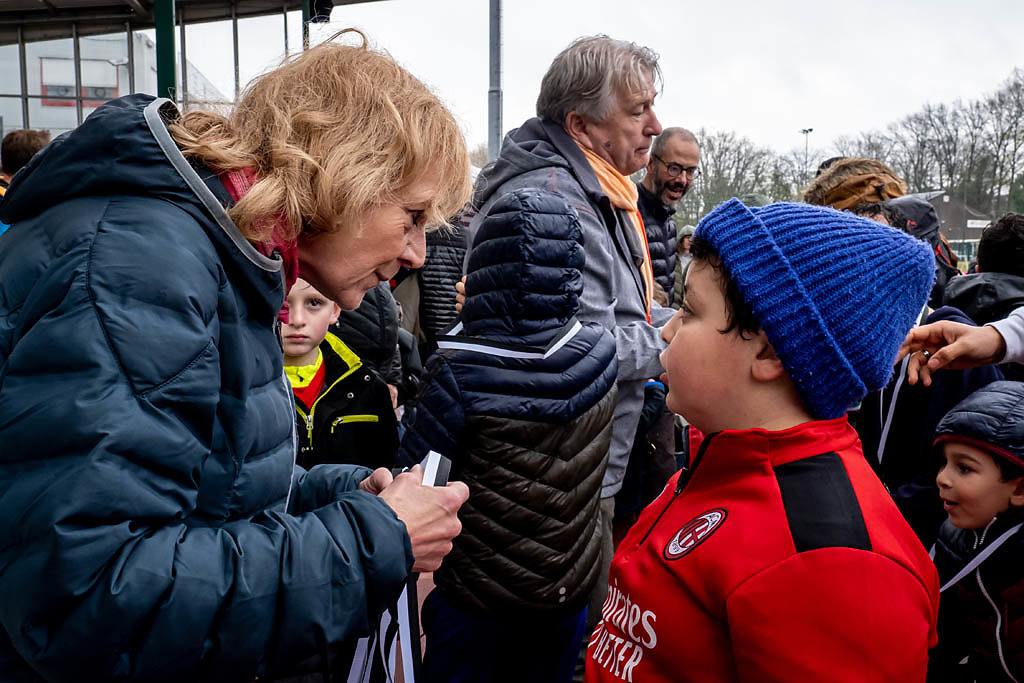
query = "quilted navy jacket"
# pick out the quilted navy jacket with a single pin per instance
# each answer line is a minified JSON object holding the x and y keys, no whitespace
{"x":661,"y":237}
{"x":153,"y":524}
{"x":521,"y":400}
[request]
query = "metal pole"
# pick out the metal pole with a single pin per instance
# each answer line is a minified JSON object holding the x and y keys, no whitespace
{"x":234,"y":43}
{"x":284,"y":17}
{"x":807,"y":134}
{"x":163,"y":13}
{"x":494,"y":93}
{"x":184,"y":60}
{"x":23,"y":60}
{"x":78,"y":72}
{"x":131,"y":55}
{"x":306,"y":16}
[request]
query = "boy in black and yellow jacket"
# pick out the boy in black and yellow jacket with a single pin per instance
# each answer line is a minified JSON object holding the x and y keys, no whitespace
{"x":343,"y":409}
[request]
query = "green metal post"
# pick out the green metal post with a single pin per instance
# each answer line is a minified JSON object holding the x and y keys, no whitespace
{"x":306,"y":16}
{"x":166,"y":72}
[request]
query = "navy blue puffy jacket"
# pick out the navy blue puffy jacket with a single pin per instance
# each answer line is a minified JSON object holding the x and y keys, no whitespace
{"x":522,"y":401}
{"x":154,"y":525}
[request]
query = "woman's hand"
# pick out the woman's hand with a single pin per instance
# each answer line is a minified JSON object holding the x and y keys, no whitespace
{"x":430,"y":514}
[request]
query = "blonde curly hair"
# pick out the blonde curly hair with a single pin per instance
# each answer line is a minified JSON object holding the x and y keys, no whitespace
{"x":852,"y":181}
{"x":332,"y":133}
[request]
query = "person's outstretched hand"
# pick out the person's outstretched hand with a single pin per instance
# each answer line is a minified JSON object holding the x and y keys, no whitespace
{"x":429,"y":514}
{"x":460,"y":294}
{"x":946,"y":344}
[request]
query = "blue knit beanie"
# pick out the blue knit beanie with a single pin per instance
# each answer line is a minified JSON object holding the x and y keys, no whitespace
{"x":834,"y":293}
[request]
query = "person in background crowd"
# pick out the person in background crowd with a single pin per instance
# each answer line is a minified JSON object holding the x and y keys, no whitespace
{"x":980,"y":550}
{"x":343,"y":410}
{"x":155,"y":526}
{"x":673,"y":166}
{"x":520,"y":396}
{"x":777,"y":554}
{"x":594,"y":126}
{"x":684,"y":235}
{"x":16,"y":150}
{"x":998,"y":286}
{"x":18,"y":147}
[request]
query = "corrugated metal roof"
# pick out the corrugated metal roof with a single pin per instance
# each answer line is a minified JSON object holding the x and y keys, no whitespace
{"x":52,"y":19}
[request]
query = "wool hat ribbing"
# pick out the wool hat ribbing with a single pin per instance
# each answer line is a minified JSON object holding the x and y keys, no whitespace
{"x":834,"y":293}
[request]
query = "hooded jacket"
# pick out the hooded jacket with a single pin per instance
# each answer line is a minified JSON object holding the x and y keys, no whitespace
{"x":442,"y":268}
{"x":352,"y":420}
{"x":155,"y":526}
{"x":541,"y":155}
{"x":981,"y":616}
{"x":777,"y":556}
{"x":520,"y":397}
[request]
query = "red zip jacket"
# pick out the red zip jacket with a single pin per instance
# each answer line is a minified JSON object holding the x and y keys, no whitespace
{"x":778,"y":556}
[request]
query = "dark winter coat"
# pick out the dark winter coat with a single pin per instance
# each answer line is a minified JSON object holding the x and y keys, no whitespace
{"x":521,"y":399}
{"x":442,"y":268}
{"x":981,"y":616}
{"x":352,"y":420}
{"x":371,"y":332}
{"x":155,"y":526}
{"x":986,"y":298}
{"x":661,"y":237}
{"x":897,"y":425}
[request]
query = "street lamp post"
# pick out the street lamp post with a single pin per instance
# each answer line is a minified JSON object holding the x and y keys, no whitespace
{"x":807,"y":133}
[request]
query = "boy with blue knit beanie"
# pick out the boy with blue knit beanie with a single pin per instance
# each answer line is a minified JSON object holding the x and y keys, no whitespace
{"x":777,"y":555}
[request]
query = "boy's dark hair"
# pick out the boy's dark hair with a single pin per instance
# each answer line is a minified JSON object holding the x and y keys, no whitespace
{"x":737,"y":312}
{"x":1001,"y":249}
{"x":19,"y":146}
{"x":1008,"y":470}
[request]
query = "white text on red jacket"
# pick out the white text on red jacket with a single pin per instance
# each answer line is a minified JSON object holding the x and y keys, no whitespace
{"x":625,"y":632}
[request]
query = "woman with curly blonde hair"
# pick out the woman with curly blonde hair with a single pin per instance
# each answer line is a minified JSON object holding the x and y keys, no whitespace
{"x":155,"y":525}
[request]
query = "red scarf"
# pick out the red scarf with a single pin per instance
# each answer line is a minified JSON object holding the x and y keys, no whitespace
{"x":237,"y":183}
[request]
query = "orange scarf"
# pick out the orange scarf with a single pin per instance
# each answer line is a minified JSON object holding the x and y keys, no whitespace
{"x":623,"y":194}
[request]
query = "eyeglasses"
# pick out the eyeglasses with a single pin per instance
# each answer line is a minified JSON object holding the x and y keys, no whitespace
{"x":675,"y":170}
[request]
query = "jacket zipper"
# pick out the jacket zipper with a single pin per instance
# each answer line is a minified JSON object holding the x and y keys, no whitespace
{"x":348,"y":419}
{"x":685,"y":475}
{"x":309,"y":418}
{"x":979,"y":541}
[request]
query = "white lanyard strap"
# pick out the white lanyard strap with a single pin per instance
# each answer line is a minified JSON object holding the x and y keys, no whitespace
{"x":980,"y":557}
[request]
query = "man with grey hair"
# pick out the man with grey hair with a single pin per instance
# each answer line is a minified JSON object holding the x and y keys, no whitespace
{"x":594,"y":126}
{"x":671,"y":170}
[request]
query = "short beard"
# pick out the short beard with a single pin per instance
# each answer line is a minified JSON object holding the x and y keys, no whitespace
{"x":660,"y":190}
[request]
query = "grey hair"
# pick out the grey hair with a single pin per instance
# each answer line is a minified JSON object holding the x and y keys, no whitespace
{"x":661,"y":142}
{"x":588,"y":76}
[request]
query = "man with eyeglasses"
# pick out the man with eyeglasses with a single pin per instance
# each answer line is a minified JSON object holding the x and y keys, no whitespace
{"x":671,"y":170}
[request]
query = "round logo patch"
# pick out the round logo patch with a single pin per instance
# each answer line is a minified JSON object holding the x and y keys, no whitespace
{"x":694,"y":532}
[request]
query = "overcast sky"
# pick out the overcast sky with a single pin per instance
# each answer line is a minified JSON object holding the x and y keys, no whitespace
{"x":763,"y":69}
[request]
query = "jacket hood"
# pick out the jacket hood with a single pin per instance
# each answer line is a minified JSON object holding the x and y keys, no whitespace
{"x":992,"y":417}
{"x":985,"y":297}
{"x":113,"y":152}
{"x":536,"y":144}
{"x":524,"y":277}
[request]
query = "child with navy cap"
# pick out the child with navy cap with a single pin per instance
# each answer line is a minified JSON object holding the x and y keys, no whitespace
{"x":777,"y":555}
{"x":980,"y":549}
